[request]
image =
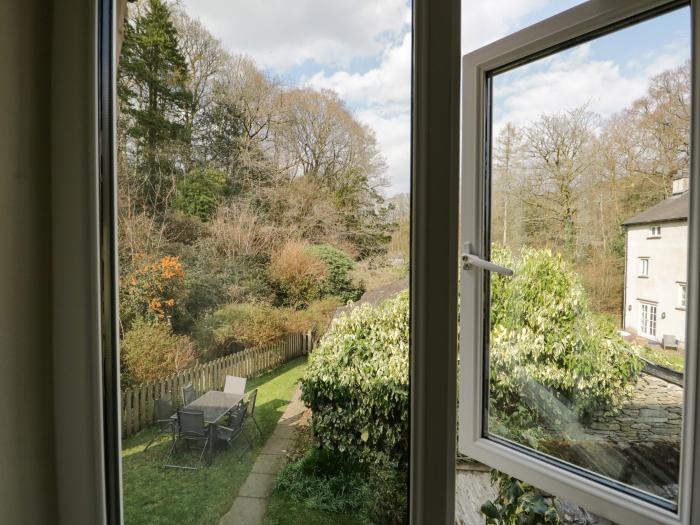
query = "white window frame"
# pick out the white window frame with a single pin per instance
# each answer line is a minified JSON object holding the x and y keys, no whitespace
{"x":655,"y":232}
{"x":84,"y":332}
{"x":644,"y":267}
{"x":604,"y":497}
{"x":682,"y":295}
{"x":648,"y":318}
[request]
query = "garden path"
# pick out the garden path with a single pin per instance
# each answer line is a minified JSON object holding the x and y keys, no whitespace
{"x":251,"y":502}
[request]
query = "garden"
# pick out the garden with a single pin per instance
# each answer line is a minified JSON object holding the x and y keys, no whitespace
{"x":353,"y":461}
{"x":249,"y":210}
{"x":153,"y":495}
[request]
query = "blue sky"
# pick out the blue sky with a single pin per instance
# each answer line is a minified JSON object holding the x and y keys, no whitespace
{"x":361,"y":49}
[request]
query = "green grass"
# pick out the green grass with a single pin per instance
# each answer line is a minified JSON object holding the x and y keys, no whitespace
{"x":282,"y":510}
{"x":673,"y":359}
{"x":154,"y":496}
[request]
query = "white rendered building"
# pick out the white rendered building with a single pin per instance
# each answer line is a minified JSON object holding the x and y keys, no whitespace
{"x":656,"y":267}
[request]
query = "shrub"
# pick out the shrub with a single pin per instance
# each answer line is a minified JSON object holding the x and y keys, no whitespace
{"x":152,"y":291}
{"x":338,"y":282}
{"x":314,"y":319}
{"x":548,"y":351}
{"x":236,"y":326}
{"x":386,"y":500}
{"x":324,"y":480}
{"x":331,"y":481}
{"x":356,"y":383}
{"x":200,"y":192}
{"x":183,"y":228}
{"x":150,"y":351}
{"x":298,"y":274}
{"x":518,"y":503}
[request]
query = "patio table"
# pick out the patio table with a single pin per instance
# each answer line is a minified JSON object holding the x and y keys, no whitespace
{"x":215,"y":405}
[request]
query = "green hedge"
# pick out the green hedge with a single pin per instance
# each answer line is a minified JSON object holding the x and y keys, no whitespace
{"x":357,"y":383}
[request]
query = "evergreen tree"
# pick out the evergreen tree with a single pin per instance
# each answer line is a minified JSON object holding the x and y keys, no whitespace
{"x":153,"y":98}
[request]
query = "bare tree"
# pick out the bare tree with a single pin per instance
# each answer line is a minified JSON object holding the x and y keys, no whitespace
{"x":559,"y":152}
{"x":507,"y":160}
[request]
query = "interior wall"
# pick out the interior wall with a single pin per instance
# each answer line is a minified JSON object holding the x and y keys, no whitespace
{"x":27,"y":473}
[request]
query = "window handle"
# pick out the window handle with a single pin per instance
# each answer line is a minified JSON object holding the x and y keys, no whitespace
{"x":470,"y":260}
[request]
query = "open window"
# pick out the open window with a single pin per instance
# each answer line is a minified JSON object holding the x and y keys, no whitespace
{"x":557,"y":160}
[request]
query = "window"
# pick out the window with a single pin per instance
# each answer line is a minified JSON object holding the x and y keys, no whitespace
{"x":682,"y":287}
{"x":655,"y":231}
{"x":224,"y":163}
{"x":536,"y":364}
{"x":643,"y":267}
{"x":647,"y":319}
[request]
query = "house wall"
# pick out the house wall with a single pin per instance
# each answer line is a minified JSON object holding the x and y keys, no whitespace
{"x":667,"y":266}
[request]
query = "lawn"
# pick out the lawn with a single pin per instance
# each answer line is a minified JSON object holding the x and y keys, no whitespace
{"x":153,"y":495}
{"x":673,"y":359}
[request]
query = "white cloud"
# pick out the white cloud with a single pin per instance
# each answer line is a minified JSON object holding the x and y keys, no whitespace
{"x":484,"y":21}
{"x":280,"y":34}
{"x":571,"y":79}
{"x":382,"y":97}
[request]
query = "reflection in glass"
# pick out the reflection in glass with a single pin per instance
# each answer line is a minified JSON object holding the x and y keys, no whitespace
{"x":589,"y":207}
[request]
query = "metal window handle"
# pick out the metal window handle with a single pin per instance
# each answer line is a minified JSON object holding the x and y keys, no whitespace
{"x":469,"y":260}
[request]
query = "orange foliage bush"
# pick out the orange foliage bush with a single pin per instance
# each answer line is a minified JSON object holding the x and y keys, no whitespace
{"x":297,"y":273}
{"x":152,"y":291}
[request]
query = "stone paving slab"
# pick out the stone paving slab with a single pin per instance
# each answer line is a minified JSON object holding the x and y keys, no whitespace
{"x":245,"y":511}
{"x":257,"y":485}
{"x":250,"y":504}
{"x":268,"y":463}
{"x":277,"y":445}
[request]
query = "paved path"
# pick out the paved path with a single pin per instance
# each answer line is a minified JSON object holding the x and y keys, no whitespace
{"x":251,"y":503}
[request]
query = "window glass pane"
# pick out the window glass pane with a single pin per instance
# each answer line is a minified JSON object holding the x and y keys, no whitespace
{"x":589,"y":156}
{"x":264,"y":228}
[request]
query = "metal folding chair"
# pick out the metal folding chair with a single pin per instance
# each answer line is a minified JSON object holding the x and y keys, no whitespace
{"x":192,"y":430}
{"x":163,"y":409}
{"x":235,"y":429}
{"x":188,"y":394}
{"x":234,"y":385}
{"x":252,"y":397}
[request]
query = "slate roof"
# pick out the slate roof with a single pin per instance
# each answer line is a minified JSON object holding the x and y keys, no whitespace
{"x":672,"y":209}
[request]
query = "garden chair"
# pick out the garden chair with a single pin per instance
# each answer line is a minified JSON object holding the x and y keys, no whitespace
{"x":192,"y":430}
{"x":164,"y":411}
{"x":670,"y":341}
{"x":235,"y":429}
{"x":252,"y":397}
{"x":188,"y":394}
{"x":234,"y":385}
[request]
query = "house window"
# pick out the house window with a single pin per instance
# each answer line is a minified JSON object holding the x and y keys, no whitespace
{"x":655,"y":231}
{"x":682,"y":291}
{"x":644,"y":267}
{"x":647,"y":319}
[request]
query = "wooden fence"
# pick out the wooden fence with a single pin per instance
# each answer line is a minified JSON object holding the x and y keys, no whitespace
{"x":137,"y":409}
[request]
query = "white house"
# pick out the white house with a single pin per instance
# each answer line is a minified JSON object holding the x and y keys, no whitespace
{"x":656,"y":267}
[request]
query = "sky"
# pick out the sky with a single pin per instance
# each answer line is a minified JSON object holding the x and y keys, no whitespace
{"x":362,"y":50}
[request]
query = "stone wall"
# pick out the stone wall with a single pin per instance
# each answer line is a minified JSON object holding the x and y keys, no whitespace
{"x":653,"y":414}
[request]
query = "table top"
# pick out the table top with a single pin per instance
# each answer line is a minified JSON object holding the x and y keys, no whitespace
{"x":214,"y":404}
